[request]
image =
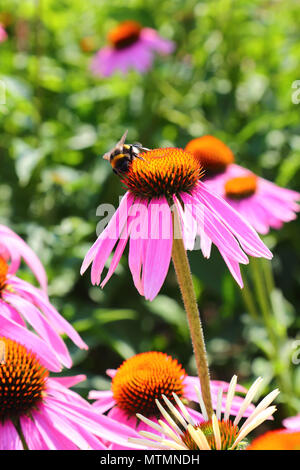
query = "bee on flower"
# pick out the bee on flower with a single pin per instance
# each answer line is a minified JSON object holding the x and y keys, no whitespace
{"x":156,"y":180}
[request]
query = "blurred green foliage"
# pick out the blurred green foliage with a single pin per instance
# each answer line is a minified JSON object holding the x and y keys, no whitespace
{"x":231,"y":76}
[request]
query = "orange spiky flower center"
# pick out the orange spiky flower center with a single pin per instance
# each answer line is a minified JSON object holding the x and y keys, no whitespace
{"x":162,"y":172}
{"x":228,"y":433}
{"x":143,"y":378}
{"x":22,"y":380}
{"x":277,"y":440}
{"x":124,"y":34}
{"x":3,"y":273}
{"x":241,"y":187}
{"x":212,"y":154}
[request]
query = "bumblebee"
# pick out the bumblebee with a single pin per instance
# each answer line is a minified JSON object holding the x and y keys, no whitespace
{"x":122,"y":155}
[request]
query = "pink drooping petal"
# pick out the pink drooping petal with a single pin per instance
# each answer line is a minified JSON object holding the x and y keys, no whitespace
{"x":279,"y":208}
{"x":98,"y":424}
{"x":118,"y":415}
{"x":3,"y":33}
{"x":17,"y":249}
{"x":234,"y":269}
{"x":196,"y":415}
{"x":111,"y":372}
{"x":292,"y":423}
{"x":206,"y":244}
{"x":9,"y":438}
{"x":151,"y":38}
{"x":188,"y":224}
{"x":112,"y":231}
{"x":190,"y":393}
{"x":40,"y":324}
{"x":255,"y":214}
{"x":105,"y":243}
{"x":31,"y":434}
{"x":121,"y":246}
{"x":77,"y":434}
{"x":9,"y":312}
{"x":158,"y":253}
{"x":245,"y":234}
{"x":36,"y":297}
{"x":138,"y":243}
{"x":57,"y":390}
{"x":108,"y":60}
{"x":190,"y":382}
{"x":69,"y":381}
{"x":269,"y":207}
{"x":15,"y":332}
{"x":53,"y":439}
{"x":278,"y":191}
{"x":219,"y":234}
{"x":104,"y":400}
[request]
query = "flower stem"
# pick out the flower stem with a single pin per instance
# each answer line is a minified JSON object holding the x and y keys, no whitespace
{"x":268,"y":273}
{"x":185,"y":281}
{"x":261,"y":292}
{"x":21,"y":435}
{"x":248,"y":299}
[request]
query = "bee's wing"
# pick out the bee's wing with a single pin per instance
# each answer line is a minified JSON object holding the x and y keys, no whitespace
{"x":107,"y":155}
{"x":122,"y":140}
{"x":140,"y":147}
{"x":118,"y":146}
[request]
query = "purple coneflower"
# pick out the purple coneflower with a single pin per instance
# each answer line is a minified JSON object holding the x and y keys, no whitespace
{"x":157,"y":180}
{"x":13,"y":249}
{"x":179,"y":430}
{"x":262,"y":203}
{"x":41,"y":413}
{"x":131,"y":47}
{"x":22,"y":304}
{"x":142,"y":380}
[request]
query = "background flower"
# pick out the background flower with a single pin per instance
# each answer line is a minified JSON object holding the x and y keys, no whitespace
{"x":13,"y":249}
{"x":131,"y":47}
{"x":262,"y":203}
{"x":292,"y":423}
{"x":276,"y":440}
{"x":50,"y":415}
{"x":182,"y":432}
{"x":143,"y":379}
{"x":22,"y":304}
